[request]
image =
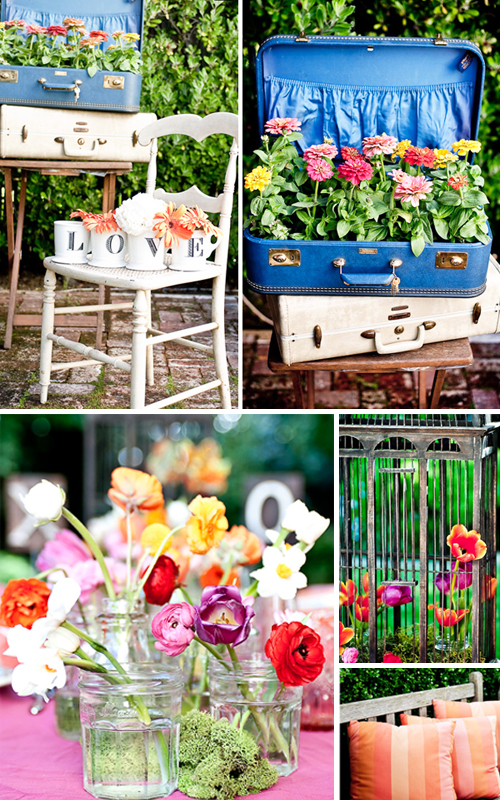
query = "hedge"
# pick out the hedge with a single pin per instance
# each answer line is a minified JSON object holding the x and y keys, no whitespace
{"x":190,"y":56}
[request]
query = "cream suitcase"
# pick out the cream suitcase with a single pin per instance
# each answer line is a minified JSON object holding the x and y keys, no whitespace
{"x":67,"y":134}
{"x":309,"y":327}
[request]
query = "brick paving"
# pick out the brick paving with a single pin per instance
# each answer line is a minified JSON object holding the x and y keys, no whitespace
{"x":476,"y":386}
{"x":101,"y":386}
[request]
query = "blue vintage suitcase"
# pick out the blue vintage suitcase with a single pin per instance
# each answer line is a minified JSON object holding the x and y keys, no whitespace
{"x":73,"y":88}
{"x":346,"y":88}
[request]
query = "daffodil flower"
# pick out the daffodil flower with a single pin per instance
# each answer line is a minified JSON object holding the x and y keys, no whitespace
{"x":280,"y":574}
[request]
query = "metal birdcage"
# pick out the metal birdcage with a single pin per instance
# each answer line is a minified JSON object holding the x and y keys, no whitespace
{"x":405,"y":481}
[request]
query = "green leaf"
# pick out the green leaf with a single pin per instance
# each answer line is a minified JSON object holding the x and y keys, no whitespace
{"x":301,"y":177}
{"x":321,"y":227}
{"x":417,"y":245}
{"x":262,"y":155}
{"x":343,"y":228}
{"x":441,"y":228}
{"x":468,"y":230}
{"x":474,"y":198}
{"x":267,"y":217}
{"x":257,"y":206}
{"x":405,"y":215}
{"x":449,"y":199}
{"x":303,"y":215}
{"x":92,"y":70}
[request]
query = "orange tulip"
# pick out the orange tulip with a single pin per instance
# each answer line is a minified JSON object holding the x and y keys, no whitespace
{"x":345,"y":635}
{"x":380,"y":589}
{"x":488,"y":587}
{"x":466,"y":545}
{"x":447,"y":617}
{"x":208,"y":525}
{"x":132,"y":489}
{"x":347,"y":593}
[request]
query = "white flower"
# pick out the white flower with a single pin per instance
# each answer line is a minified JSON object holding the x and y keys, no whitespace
{"x":280,"y":574}
{"x":135,"y":216}
{"x":40,"y":668}
{"x":45,"y":502}
{"x":63,"y":641}
{"x":308,"y":525}
{"x":61,"y":600}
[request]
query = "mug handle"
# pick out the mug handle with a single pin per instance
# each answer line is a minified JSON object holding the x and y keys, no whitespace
{"x":213,"y":247}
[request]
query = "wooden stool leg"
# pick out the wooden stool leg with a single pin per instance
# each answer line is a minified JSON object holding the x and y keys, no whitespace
{"x":437,"y":387}
{"x":9,"y":217}
{"x":310,"y":389}
{"x":297,"y":389}
{"x":138,"y":375}
{"x":219,"y":341}
{"x":422,"y":389}
{"x":14,"y":278}
{"x":49,"y":296}
{"x":150,"y":369}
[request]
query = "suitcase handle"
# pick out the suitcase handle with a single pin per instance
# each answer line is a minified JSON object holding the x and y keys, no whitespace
{"x":370,"y":278}
{"x":400,"y":347}
{"x":62,"y":87}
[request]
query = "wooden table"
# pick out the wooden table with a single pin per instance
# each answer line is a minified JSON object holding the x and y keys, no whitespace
{"x":439,"y":357}
{"x":109,"y":170}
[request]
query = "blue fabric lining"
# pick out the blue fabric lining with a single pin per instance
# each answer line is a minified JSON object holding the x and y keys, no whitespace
{"x":430,"y":116}
{"x":129,"y":23}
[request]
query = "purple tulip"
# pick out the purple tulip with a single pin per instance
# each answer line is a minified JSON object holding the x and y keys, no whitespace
{"x":222,"y":616}
{"x":443,"y":580}
{"x":396,"y":595}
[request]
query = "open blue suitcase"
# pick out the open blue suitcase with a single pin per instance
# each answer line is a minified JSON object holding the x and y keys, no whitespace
{"x":346,"y":88}
{"x":73,"y":88}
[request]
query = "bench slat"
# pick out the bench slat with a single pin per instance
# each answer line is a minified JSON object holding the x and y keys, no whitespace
{"x":371,"y":709}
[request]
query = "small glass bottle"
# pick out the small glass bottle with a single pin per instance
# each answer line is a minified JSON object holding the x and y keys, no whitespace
{"x":124,"y":631}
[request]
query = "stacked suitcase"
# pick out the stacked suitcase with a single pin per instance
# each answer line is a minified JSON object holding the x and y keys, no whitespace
{"x":335,"y":298}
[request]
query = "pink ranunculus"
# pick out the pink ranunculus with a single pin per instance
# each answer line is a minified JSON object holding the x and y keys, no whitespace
{"x":173,"y":627}
{"x":324,"y":150}
{"x":398,"y":175}
{"x":88,"y":576}
{"x":350,"y":655}
{"x":413,"y":189}
{"x":355,"y":170}
{"x":375,"y":145}
{"x":65,"y":550}
{"x":319,"y":170}
{"x":390,"y":658}
{"x":281,"y":125}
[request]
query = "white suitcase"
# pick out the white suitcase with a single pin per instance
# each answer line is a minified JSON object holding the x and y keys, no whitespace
{"x":67,"y":134}
{"x":309,"y":328}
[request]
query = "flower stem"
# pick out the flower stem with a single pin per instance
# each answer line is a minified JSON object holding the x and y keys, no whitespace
{"x":212,"y":651}
{"x":94,"y":547}
{"x":252,"y":590}
{"x":129,"y":549}
{"x":186,"y":594}
{"x":227,"y":571}
{"x":97,"y":646}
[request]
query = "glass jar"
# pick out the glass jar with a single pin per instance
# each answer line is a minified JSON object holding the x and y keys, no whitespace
{"x":251,"y":695}
{"x":125,"y":632}
{"x":194,"y":664}
{"x":318,"y":697}
{"x":130,"y":732}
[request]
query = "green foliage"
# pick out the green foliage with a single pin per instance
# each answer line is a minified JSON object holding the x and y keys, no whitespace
{"x":190,"y":63}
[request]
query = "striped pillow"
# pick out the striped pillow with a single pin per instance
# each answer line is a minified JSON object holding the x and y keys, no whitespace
{"x":474,"y":755}
{"x":407,"y":763}
{"x":446,"y":709}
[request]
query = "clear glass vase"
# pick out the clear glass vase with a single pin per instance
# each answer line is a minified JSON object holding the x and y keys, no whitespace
{"x":194,"y":664}
{"x":130,"y":732}
{"x":251,"y":695}
{"x":124,"y":631}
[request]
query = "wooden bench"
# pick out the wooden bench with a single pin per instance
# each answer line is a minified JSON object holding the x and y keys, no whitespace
{"x":385,"y":709}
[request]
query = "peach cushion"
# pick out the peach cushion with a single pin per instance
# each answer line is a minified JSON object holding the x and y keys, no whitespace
{"x":446,"y":709}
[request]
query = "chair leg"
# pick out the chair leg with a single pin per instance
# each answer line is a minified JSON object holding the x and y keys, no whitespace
{"x":150,"y":370}
{"x":49,"y":296}
{"x":138,"y":374}
{"x":219,"y":341}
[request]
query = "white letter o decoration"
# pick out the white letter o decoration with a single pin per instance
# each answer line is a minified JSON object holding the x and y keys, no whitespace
{"x":255,"y":504}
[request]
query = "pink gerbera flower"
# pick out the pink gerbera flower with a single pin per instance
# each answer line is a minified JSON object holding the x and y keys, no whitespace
{"x":398,"y":175}
{"x":458,"y":182}
{"x":355,"y":170}
{"x":413,"y":189}
{"x":375,"y":145}
{"x":350,"y":152}
{"x":281,"y":125}
{"x":319,"y":170}
{"x":320,"y":151}
{"x":419,"y":156}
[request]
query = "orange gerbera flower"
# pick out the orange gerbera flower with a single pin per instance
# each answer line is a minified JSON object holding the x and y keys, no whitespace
{"x":132,"y":489}
{"x":488,"y":587}
{"x":447,"y":617}
{"x":23,"y":602}
{"x":196,"y":219}
{"x":347,"y":593}
{"x":213,"y":576}
{"x":102,"y":223}
{"x":152,"y":537}
{"x":248,"y":545}
{"x":345,"y":635}
{"x":170,"y":224}
{"x":466,"y":545}
{"x":208,"y":525}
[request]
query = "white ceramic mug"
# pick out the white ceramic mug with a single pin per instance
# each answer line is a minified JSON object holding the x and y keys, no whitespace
{"x":71,"y":241}
{"x":145,"y":252}
{"x":108,"y":249}
{"x":190,"y":255}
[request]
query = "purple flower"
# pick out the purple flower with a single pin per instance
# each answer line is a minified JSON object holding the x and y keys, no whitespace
{"x":222,"y":616}
{"x":350,"y":655}
{"x":443,"y":580}
{"x":173,"y":626}
{"x":396,"y":595}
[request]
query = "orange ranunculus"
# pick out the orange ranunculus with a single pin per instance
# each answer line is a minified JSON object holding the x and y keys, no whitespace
{"x":157,"y":515}
{"x":488,"y":587}
{"x":447,"y":617}
{"x":132,"y":489}
{"x":208,"y":525}
{"x":213,"y":576}
{"x":247,"y":545}
{"x":23,"y":602}
{"x":348,"y":593}
{"x":345,"y":635}
{"x":152,"y":537}
{"x":465,"y":545}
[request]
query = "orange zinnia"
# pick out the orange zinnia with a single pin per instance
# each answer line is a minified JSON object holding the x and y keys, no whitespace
{"x":347,"y":593}
{"x":213,"y":576}
{"x":208,"y":525}
{"x":23,"y":602}
{"x":171,"y":224}
{"x":345,"y":635}
{"x":248,"y":545}
{"x":466,"y":545}
{"x":132,"y":489}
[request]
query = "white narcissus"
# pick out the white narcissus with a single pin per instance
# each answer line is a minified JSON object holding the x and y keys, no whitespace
{"x":61,"y":600}
{"x":308,"y":525}
{"x":280,"y":574}
{"x":45,"y":501}
{"x":40,"y":668}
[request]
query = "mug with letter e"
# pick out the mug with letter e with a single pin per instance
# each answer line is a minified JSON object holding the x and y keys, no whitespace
{"x":191,"y":255}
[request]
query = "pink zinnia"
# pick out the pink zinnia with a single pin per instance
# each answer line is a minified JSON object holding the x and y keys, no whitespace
{"x":281,"y":125}
{"x":320,"y":151}
{"x":57,"y":30}
{"x":355,"y":170}
{"x":319,"y":170}
{"x":375,"y":145}
{"x":350,"y":152}
{"x":398,"y":175}
{"x":413,"y":189}
{"x":458,"y":182}
{"x":31,"y":30}
{"x":419,"y":156}
{"x":15,"y":23}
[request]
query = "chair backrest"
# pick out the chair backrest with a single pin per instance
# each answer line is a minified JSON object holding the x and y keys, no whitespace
{"x":198,"y":128}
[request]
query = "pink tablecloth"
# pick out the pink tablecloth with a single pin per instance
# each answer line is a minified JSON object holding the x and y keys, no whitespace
{"x":36,"y":764}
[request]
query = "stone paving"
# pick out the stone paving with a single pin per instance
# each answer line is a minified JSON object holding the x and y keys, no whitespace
{"x":176,"y":368}
{"x":476,"y":386}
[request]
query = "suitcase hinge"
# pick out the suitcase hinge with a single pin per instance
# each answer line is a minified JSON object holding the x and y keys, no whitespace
{"x":476,"y":313}
{"x":318,"y":335}
{"x":439,"y":40}
{"x":302,"y":37}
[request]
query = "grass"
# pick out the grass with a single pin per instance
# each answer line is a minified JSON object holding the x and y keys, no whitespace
{"x":95,"y":397}
{"x":171,"y":390}
{"x":31,"y":380}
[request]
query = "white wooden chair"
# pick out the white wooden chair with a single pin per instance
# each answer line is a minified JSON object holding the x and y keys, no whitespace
{"x":140,"y":362}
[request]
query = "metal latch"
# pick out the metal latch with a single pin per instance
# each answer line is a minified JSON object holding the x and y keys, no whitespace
{"x":318,"y":335}
{"x":284,"y":258}
{"x":476,"y":313}
{"x":113,"y":82}
{"x":452,"y":260}
{"x":302,"y":37}
{"x":8,"y":76}
{"x":439,"y":40}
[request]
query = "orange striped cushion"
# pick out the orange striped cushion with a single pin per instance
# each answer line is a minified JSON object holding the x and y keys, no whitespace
{"x":407,"y":763}
{"x":474,"y":755}
{"x":446,"y":709}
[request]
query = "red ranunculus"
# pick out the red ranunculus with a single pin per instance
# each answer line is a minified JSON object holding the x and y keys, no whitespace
{"x":296,"y":653}
{"x":390,"y":658}
{"x":23,"y":602}
{"x":162,"y":581}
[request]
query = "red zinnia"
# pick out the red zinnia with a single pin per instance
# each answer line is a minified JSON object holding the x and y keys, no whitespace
{"x":23,"y":602}
{"x":15,"y":23}
{"x":161,"y":582}
{"x":355,"y":170}
{"x":101,"y":34}
{"x":296,"y":653}
{"x":419,"y":156}
{"x":458,"y":182}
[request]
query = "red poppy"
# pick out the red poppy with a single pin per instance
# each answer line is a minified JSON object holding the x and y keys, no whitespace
{"x":296,"y":653}
{"x":161,"y":582}
{"x":347,"y":593}
{"x":345,"y":635}
{"x":466,"y":545}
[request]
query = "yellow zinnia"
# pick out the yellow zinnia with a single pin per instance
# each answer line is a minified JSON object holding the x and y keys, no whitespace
{"x":153,"y":536}
{"x":208,"y":525}
{"x":465,"y":146}
{"x":401,"y":148}
{"x":131,"y":37}
{"x":258,"y":178}
{"x":443,"y":157}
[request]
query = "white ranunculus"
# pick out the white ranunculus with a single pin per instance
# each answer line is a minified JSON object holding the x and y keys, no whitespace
{"x":308,"y":525}
{"x":136,"y":215}
{"x":280,"y":574}
{"x":45,"y":502}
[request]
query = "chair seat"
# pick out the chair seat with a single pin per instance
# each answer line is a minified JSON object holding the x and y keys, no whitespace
{"x":134,"y":280}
